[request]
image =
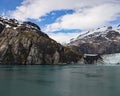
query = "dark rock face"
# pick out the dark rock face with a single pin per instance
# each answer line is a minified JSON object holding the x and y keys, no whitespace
{"x":34,"y":26}
{"x":26,"y":44}
{"x":1,"y":27}
{"x":100,"y":41}
{"x":91,"y":59}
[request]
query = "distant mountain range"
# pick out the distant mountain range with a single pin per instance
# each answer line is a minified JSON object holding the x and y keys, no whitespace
{"x":104,"y":40}
{"x":25,"y":43}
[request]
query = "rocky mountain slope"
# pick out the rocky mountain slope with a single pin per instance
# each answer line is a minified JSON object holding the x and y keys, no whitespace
{"x":104,"y":40}
{"x":25,"y":43}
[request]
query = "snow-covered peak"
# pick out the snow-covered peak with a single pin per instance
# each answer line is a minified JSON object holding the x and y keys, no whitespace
{"x":8,"y":22}
{"x":98,"y":32}
{"x":105,"y":40}
{"x":29,"y":26}
{"x":117,"y":28}
{"x":13,"y":23}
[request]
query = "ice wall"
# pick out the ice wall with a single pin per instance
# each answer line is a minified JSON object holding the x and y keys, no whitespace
{"x":111,"y":58}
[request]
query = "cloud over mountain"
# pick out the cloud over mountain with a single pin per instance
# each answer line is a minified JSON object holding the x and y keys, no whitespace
{"x":87,"y":14}
{"x":36,"y":8}
{"x":87,"y":18}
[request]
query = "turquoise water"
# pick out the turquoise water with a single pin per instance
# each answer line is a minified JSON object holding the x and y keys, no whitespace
{"x":59,"y":80}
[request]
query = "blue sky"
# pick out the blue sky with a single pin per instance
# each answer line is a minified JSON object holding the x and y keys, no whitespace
{"x":6,"y":5}
{"x":64,"y":19}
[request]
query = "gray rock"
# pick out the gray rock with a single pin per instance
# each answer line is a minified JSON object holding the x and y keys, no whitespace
{"x":101,"y":41}
{"x":26,"y":44}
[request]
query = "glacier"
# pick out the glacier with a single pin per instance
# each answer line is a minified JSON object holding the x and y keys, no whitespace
{"x":111,"y":59}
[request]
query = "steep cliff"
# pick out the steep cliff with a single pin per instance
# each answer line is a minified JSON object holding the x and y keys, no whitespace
{"x":25,"y":43}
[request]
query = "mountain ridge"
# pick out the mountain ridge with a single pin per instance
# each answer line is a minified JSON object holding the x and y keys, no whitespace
{"x":25,"y":43}
{"x":99,"y":41}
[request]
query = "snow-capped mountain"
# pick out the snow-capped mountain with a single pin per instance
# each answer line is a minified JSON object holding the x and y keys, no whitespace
{"x":8,"y":23}
{"x":104,"y":40}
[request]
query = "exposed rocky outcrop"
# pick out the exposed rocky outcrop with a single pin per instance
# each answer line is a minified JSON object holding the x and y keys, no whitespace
{"x":104,"y":40}
{"x":25,"y":43}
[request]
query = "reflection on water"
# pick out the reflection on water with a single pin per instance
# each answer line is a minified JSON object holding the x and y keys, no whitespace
{"x":59,"y":80}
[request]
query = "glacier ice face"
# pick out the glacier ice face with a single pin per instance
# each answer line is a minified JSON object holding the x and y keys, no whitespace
{"x":111,"y":58}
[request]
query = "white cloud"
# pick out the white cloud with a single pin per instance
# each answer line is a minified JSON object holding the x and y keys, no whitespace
{"x":87,"y":18}
{"x":88,"y":14}
{"x":63,"y":37}
{"x":34,"y":9}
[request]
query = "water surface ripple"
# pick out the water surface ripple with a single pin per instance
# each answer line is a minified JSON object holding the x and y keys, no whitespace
{"x":59,"y":80}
